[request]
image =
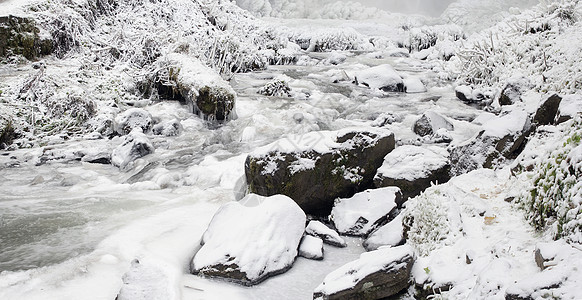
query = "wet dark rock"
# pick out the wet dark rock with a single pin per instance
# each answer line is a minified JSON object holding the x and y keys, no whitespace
{"x":339,"y":172}
{"x":547,"y":111}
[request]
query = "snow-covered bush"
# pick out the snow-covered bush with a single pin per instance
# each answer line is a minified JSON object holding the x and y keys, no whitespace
{"x":426,"y":221}
{"x":555,"y":197}
{"x":420,"y":38}
{"x":324,"y":40}
{"x":536,"y":43}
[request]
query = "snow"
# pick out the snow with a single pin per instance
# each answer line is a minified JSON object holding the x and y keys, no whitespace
{"x":390,"y":234}
{"x":319,"y":141}
{"x":414,"y":85}
{"x":259,"y":240}
{"x":514,"y":122}
{"x":379,"y":77}
{"x":144,"y":282}
{"x":570,"y":105}
{"x":413,"y":162}
{"x":353,"y":272}
{"x":311,"y":247}
{"x":358,"y":215}
{"x":329,"y":236}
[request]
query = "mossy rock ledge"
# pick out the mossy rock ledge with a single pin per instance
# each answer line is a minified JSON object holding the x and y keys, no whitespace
{"x":20,"y":36}
{"x":316,"y":168}
{"x":200,"y":86}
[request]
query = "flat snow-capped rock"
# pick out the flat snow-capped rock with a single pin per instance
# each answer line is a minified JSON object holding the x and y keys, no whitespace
{"x":391,"y":234}
{"x":311,"y":247}
{"x":328,"y":235}
{"x":413,"y":168}
{"x":250,"y":240}
{"x":316,"y":168}
{"x":382,"y":77}
{"x":135,"y":145}
{"x":375,"y":275}
{"x":365,"y":211}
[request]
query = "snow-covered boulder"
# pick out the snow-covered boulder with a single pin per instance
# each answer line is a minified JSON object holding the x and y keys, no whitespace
{"x":251,"y":240}
{"x":311,"y":247}
{"x":145,"y":282}
{"x":570,"y":106}
{"x":135,"y":145}
{"x":382,"y":77}
{"x":548,"y":110}
{"x":133,"y":118}
{"x":430,"y":122}
{"x":328,"y":235}
{"x":201,"y":86}
{"x":413,"y":84}
{"x":413,"y":169}
{"x":316,"y":168}
{"x":469,"y":95}
{"x":378,"y":274}
{"x":365,"y":211}
{"x":513,"y":90}
{"x":391,"y":234}
{"x":501,"y":138}
{"x":168,"y":128}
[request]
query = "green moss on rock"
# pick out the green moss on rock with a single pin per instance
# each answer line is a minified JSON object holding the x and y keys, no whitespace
{"x":20,"y":36}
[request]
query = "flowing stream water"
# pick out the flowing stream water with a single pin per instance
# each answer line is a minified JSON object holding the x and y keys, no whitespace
{"x":69,"y":229}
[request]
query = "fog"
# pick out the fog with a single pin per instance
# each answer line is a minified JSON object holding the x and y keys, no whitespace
{"x":426,"y":7}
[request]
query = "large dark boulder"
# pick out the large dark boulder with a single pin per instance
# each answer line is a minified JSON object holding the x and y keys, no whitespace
{"x":316,"y":168}
{"x":548,"y":110}
{"x":20,"y":36}
{"x":413,"y":169}
{"x":376,"y":275}
{"x":248,"y":241}
{"x":501,"y":138}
